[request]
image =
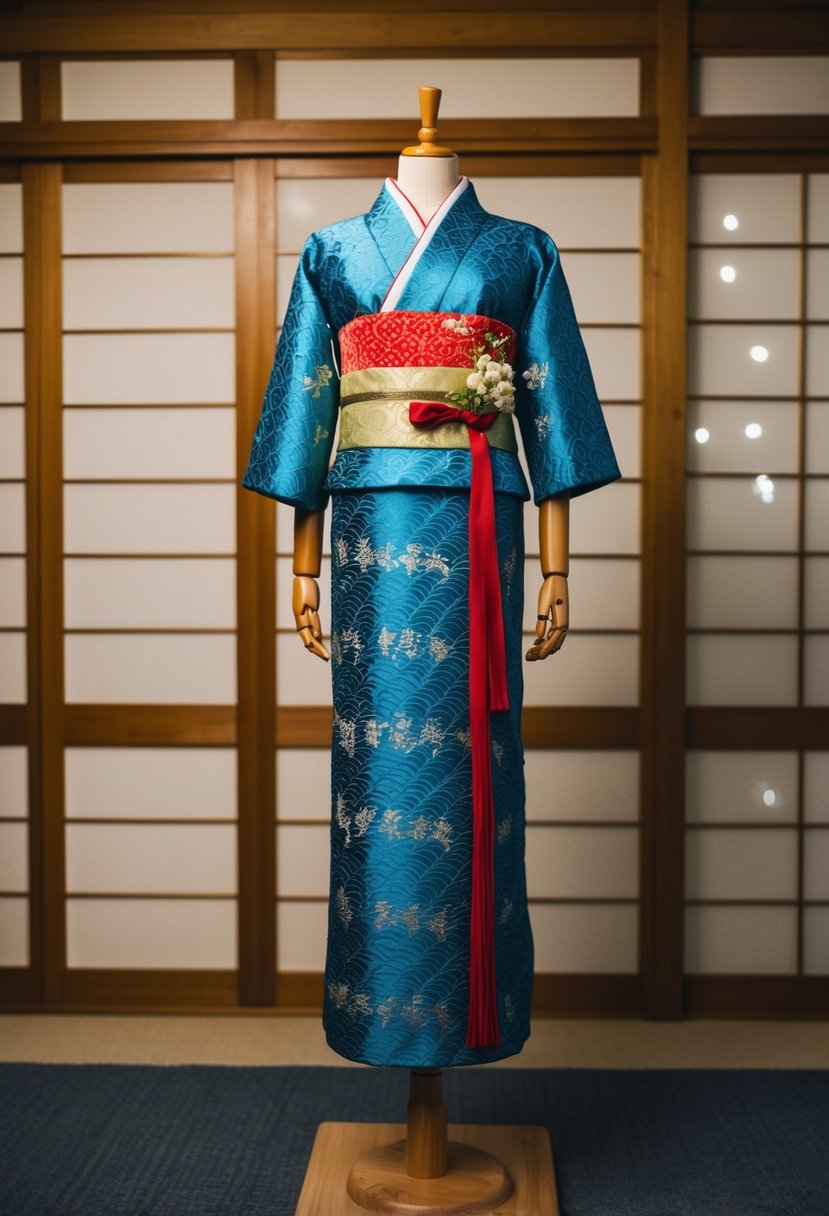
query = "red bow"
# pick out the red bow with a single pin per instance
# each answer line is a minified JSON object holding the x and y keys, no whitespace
{"x":487,"y":692}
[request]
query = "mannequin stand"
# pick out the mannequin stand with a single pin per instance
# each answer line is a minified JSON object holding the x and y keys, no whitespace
{"x":415,"y":1169}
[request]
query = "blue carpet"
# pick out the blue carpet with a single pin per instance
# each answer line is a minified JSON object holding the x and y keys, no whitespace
{"x":114,"y":1140}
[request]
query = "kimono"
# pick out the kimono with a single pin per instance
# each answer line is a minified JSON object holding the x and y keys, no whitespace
{"x":429,"y":959}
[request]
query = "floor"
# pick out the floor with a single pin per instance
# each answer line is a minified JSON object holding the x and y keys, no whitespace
{"x":268,"y":1039}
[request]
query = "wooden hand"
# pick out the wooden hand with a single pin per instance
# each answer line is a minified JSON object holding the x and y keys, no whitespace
{"x":305,"y":604}
{"x":553,"y":618}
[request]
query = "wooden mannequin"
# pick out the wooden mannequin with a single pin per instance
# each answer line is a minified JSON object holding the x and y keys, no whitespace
{"x":426,"y":1172}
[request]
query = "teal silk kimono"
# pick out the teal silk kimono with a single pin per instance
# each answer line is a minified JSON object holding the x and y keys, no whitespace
{"x":397,"y":973}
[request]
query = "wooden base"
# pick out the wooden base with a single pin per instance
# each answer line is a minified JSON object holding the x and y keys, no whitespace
{"x":343,"y":1153}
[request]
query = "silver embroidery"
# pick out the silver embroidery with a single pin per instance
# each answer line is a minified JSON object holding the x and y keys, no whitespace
{"x":431,"y":733}
{"x":373,"y":732}
{"x":389,"y":826}
{"x":413,"y":559}
{"x":420,"y":828}
{"x":504,"y":829}
{"x":349,"y":639}
{"x":536,"y":376}
{"x":506,"y":911}
{"x":415,"y":1013}
{"x":323,"y":374}
{"x":401,"y":734}
{"x":509,"y":1009}
{"x":348,"y":734}
{"x":366,"y":557}
{"x":320,"y":433}
{"x":362,"y":820}
{"x":342,"y":550}
{"x":343,"y":820}
{"x":409,"y":644}
{"x":385,"y":640}
{"x":464,"y":737}
{"x":509,"y":570}
{"x":343,"y":906}
{"x":437,"y":924}
{"x":497,"y":751}
{"x":542,"y":425}
{"x":352,"y":1003}
{"x":438,"y":649}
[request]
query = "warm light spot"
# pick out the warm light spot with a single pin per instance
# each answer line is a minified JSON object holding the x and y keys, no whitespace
{"x":728,"y":274}
{"x":702,"y":435}
{"x":764,"y":487}
{"x":753,"y":430}
{"x":770,"y":797}
{"x":730,"y":222}
{"x":759,"y":354}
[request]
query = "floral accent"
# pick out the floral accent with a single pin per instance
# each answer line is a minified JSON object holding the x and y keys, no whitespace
{"x":542,"y":425}
{"x":321,"y":433}
{"x":323,"y":374}
{"x":460,"y":325}
{"x":490,"y":382}
{"x":536,"y":377}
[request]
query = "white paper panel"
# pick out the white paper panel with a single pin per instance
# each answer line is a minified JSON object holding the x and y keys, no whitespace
{"x":154,"y":442}
{"x":817,"y":437}
{"x":151,"y":857}
{"x":728,"y":513}
{"x":597,"y":938}
{"x":148,"y":293}
{"x":604,"y":594}
{"x":154,"y":88}
{"x":728,"y":449}
{"x":817,"y":194}
{"x":817,"y":514}
{"x":13,"y":592}
{"x":10,"y":100}
{"x":766,"y":207}
{"x":14,"y":932}
{"x":526,"y":88}
{"x":286,"y":267}
{"x":164,"y":668}
{"x":303,"y":783}
{"x":304,"y":205}
{"x":719,"y":360}
{"x":743,"y":863}
{"x":817,"y":289}
{"x":751,"y":787}
{"x":12,"y":441}
{"x":11,"y":293}
{"x":725,"y":669}
{"x":624,"y":423}
{"x":582,"y":784}
{"x":740,"y":941}
{"x":14,"y":856}
{"x":816,"y":941}
{"x":816,"y":787}
{"x":764,"y":283}
{"x":12,"y":518}
{"x":148,"y":217}
{"x":742,"y":592}
{"x":149,"y":519}
{"x":816,"y":670}
{"x":588,"y":670}
{"x":615,"y":361}
{"x":816,"y":606}
{"x":151,"y":782}
{"x":816,"y":864}
{"x":133,"y":933}
{"x":582,"y":862}
{"x":13,"y":667}
{"x":763,"y":84}
{"x":603,"y":521}
{"x":11,"y":367}
{"x":143,"y":593}
{"x":11,"y":217}
{"x":301,"y":678}
{"x":14,"y":781}
{"x":817,"y":361}
{"x":575,"y":211}
{"x":302,"y":859}
{"x":144,"y":369}
{"x":604,"y":286}
{"x":284,"y":585}
{"x":301,"y":935}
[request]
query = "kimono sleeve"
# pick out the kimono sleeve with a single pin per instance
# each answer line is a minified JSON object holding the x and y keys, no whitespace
{"x":565,"y":436}
{"x":293,"y":438}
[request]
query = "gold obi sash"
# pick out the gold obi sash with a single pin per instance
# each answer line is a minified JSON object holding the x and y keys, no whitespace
{"x":375,"y":410}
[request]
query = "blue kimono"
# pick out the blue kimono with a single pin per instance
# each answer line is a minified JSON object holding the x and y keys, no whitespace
{"x":396,"y":988}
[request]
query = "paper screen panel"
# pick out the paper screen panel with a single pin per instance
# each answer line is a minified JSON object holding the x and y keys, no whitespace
{"x":603,"y":594}
{"x":14,"y":856}
{"x":756,"y":669}
{"x":13,"y":668}
{"x":741,"y":863}
{"x":604,"y":287}
{"x":304,"y":205}
{"x":150,"y":782}
{"x":526,"y":88}
{"x":121,"y":89}
{"x":720,"y":360}
{"x":148,"y":293}
{"x":144,"y":369}
{"x":816,"y":787}
{"x":731,"y":592}
{"x":11,"y":293}
{"x":150,"y":593}
{"x":740,"y":941}
{"x":301,"y":935}
{"x":758,"y":283}
{"x":816,"y":670}
{"x":11,"y":217}
{"x":150,"y":858}
{"x":816,"y":941}
{"x":303,"y":783}
{"x":302,"y":859}
{"x":12,"y":592}
{"x":817,"y":194}
{"x":14,"y":782}
{"x":148,"y":217}
{"x":10,"y":97}
{"x":817,"y":514}
{"x":156,"y":442}
{"x":598,"y":862}
{"x":577,"y":211}
{"x":14,"y":932}
{"x":766,"y":207}
{"x":581,"y":784}
{"x":762,"y":84}
{"x":615,"y":362}
{"x":724,"y":446}
{"x":151,"y":668}
{"x":816,"y":864}
{"x":729,"y":513}
{"x":817,"y":288}
{"x":301,"y":678}
{"x":11,"y":367}
{"x":149,"y":519}
{"x":12,"y":441}
{"x":749,"y":786}
{"x":138,"y":933}
{"x":286,"y":267}
{"x":817,"y":361}
{"x":12,"y":518}
{"x":590,"y":669}
{"x":624,"y":424}
{"x":585,"y":938}
{"x":816,"y":597}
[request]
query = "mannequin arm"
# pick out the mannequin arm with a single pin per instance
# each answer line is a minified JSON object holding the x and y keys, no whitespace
{"x":553,"y":602}
{"x":306,"y":593}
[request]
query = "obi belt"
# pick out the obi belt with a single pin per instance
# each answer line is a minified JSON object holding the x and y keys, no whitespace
{"x":399,"y":371}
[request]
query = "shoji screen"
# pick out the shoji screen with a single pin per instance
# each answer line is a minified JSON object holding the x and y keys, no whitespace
{"x":149,"y":563}
{"x":758,"y":570}
{"x":583,"y":804}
